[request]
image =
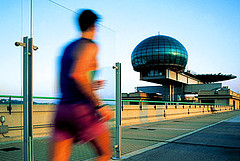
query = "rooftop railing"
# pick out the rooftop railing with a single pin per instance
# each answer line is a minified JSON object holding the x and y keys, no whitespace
{"x":123,"y":100}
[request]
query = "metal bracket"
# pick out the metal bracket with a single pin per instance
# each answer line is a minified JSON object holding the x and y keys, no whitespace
{"x":115,"y":67}
{"x":116,"y":147}
{"x":24,"y":45}
{"x":20,"y":44}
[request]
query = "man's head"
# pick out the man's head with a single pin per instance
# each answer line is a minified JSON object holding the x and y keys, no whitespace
{"x":87,"y":19}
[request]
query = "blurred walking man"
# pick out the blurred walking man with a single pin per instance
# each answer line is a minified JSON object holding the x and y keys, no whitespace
{"x":80,"y":118}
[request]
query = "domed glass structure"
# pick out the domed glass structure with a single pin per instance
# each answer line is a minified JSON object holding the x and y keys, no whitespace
{"x":159,"y":52}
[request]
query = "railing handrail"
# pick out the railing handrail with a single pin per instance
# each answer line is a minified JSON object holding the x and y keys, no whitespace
{"x":143,"y":101}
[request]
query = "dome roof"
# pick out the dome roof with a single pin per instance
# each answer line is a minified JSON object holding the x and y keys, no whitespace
{"x":159,"y":52}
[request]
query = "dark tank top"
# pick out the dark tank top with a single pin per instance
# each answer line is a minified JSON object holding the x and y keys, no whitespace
{"x":71,"y":94}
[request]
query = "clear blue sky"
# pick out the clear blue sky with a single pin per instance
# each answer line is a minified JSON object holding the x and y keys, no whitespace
{"x":209,"y":30}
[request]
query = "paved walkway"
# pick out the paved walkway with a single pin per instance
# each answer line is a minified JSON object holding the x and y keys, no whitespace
{"x":220,"y":142}
{"x":173,"y":139}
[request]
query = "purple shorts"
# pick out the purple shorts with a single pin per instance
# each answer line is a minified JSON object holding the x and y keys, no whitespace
{"x":77,"y":121}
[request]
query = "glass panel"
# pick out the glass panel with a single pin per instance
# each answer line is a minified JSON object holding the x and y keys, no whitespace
{"x":54,"y":28}
{"x":11,"y":116}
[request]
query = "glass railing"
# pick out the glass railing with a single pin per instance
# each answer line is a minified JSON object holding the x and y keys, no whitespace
{"x":11,"y":30}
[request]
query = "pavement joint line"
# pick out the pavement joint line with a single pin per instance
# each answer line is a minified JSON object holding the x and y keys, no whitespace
{"x":21,"y":140}
{"x":91,"y":159}
{"x":128,"y":155}
{"x":159,"y":128}
{"x":235,"y":119}
{"x":11,"y":142}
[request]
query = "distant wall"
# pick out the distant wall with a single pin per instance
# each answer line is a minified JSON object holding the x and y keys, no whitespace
{"x":131,"y":114}
{"x":42,"y":117}
{"x":136,"y":114}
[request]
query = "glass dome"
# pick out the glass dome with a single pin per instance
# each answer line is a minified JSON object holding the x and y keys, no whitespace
{"x":159,"y":52}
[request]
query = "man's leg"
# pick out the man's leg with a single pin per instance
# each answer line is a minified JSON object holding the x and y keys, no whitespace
{"x":60,"y":150}
{"x":103,"y":145}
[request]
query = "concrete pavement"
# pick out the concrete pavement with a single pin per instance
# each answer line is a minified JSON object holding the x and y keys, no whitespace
{"x":220,"y":142}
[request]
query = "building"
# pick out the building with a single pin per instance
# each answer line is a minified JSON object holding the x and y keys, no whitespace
{"x":162,"y":60}
{"x":222,"y":96}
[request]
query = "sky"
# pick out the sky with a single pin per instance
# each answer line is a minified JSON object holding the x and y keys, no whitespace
{"x":208,"y":29}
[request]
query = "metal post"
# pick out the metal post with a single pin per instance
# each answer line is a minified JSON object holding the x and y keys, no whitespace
{"x":27,"y":96}
{"x":9,"y":107}
{"x":118,"y":112}
{"x":30,"y":100}
{"x":170,"y":93}
{"x":25,"y":99}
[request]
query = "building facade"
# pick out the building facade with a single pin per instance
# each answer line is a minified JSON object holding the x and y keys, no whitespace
{"x":162,"y":60}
